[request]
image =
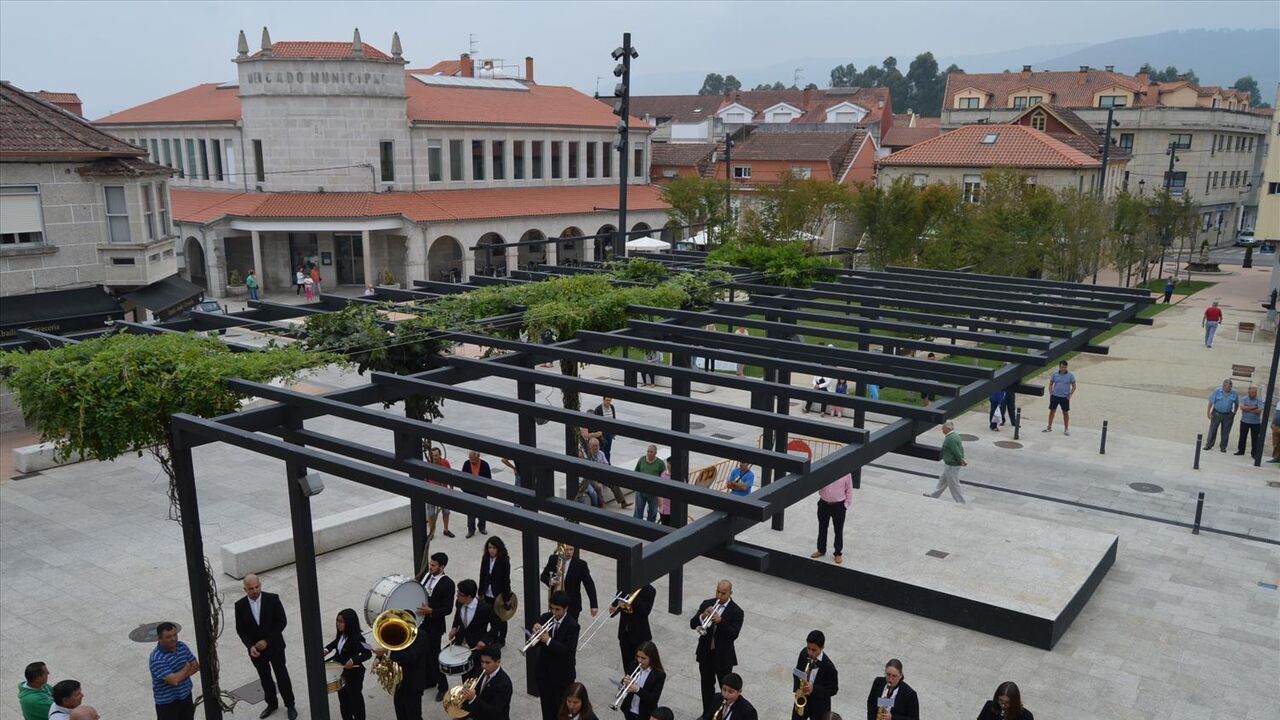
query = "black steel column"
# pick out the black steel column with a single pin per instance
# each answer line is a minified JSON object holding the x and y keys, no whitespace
{"x":680,"y":387}
{"x":1269,"y":403}
{"x":409,"y":447}
{"x":304,"y":552}
{"x":532,"y":561}
{"x":193,"y":543}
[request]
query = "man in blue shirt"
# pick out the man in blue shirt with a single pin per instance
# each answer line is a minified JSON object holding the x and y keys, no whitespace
{"x":172,"y":666}
{"x":1250,"y":422}
{"x":1062,"y":385}
{"x":741,"y":479}
{"x":1221,"y":412}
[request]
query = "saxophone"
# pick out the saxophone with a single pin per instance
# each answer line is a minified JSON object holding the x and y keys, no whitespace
{"x":802,"y":700}
{"x":719,"y":714}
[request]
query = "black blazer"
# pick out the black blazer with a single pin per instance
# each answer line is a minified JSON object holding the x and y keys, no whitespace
{"x":270,"y":628}
{"x":991,"y":711}
{"x":724,"y":657}
{"x":743,"y":710}
{"x":825,"y":685}
{"x":478,"y":630}
{"x":906,"y":706}
{"x":494,"y":701}
{"x":412,"y":661}
{"x":500,"y":582}
{"x":633,"y":627}
{"x":650,"y":693}
{"x":577,"y":575}
{"x":558,"y":659}
{"x":441,"y":601}
{"x":353,"y":650}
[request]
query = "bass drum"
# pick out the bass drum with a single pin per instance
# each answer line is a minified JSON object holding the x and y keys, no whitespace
{"x":393,"y":592}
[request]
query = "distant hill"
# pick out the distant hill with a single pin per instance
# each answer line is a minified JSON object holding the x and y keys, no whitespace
{"x":1219,"y":57}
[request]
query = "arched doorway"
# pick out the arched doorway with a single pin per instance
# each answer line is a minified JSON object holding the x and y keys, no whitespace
{"x":571,"y":253}
{"x":196,"y":271}
{"x":532,"y":253}
{"x":491,"y":260}
{"x":604,"y":242}
{"x":445,"y":260}
{"x":672,"y":232}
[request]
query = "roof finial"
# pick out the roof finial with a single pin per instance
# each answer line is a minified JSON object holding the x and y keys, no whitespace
{"x":242,"y":46}
{"x":266,"y":42}
{"x":357,"y":47}
{"x":396,"y":52}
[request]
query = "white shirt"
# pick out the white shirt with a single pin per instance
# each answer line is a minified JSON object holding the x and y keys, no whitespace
{"x":430,"y":583}
{"x":639,"y":681}
{"x":255,"y":606}
{"x":488,"y":591}
{"x":469,"y":612}
{"x":342,"y":640}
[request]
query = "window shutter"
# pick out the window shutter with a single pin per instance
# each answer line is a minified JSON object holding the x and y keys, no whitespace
{"x":20,"y":213}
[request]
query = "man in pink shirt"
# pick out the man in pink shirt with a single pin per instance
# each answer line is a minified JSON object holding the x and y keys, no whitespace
{"x":833,"y":502}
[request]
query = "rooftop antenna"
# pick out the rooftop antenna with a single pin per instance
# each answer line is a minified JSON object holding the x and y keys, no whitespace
{"x":795,"y":79}
{"x":598,"y":77}
{"x":472,"y":43}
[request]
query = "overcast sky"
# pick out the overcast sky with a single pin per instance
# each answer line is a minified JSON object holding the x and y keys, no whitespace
{"x":119,"y":54}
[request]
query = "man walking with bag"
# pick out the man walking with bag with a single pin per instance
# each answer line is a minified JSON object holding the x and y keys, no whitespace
{"x":952,"y":460}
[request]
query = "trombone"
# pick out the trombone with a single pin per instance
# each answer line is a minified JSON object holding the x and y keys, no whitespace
{"x":620,"y":603}
{"x":551,"y":625}
{"x":625,"y":688}
{"x":705,"y":627}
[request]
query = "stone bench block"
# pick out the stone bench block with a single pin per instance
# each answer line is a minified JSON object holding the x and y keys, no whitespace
{"x":43,"y":456}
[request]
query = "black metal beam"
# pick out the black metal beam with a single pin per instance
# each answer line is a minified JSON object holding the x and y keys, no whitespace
{"x":1044,"y":311}
{"x":1133,"y":294}
{"x":983,"y":292}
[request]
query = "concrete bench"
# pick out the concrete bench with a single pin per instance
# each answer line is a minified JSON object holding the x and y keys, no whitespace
{"x":43,"y":456}
{"x":275,"y":549}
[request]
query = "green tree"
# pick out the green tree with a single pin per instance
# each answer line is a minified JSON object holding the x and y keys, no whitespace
{"x":1169,"y":74}
{"x":1009,"y":229}
{"x":696,"y":202}
{"x":716,"y":84}
{"x":797,"y":208}
{"x":912,"y":226}
{"x":843,"y":75}
{"x":1249,"y":85}
{"x":1135,"y":243}
{"x":785,"y":263}
{"x":1082,"y":240}
{"x":924,"y":83}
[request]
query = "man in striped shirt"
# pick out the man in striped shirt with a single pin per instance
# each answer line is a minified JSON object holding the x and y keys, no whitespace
{"x":172,"y":666}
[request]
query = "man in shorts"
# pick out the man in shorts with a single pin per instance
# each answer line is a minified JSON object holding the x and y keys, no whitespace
{"x":1062,"y":385}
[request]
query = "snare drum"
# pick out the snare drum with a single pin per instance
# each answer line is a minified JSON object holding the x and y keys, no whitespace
{"x":333,"y":680}
{"x":393,"y":592}
{"x":455,"y":660}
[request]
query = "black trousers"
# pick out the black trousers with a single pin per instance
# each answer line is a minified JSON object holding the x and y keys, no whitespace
{"x":834,"y":512}
{"x":273,"y":661}
{"x":550,"y":695}
{"x":183,"y":709}
{"x":434,"y":678}
{"x":407,"y":701}
{"x":471,"y":521}
{"x":710,"y":677}
{"x":351,"y":696}
{"x":1247,"y":431}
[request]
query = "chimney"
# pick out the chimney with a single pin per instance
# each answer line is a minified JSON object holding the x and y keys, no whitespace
{"x":1110,"y":68}
{"x":806,"y":98}
{"x":528,"y":68}
{"x":1143,"y":78}
{"x":266,"y":42}
{"x":242,"y":46}
{"x":1084,"y":68}
{"x":467,"y":69}
{"x":1026,"y":71}
{"x":357,"y":47}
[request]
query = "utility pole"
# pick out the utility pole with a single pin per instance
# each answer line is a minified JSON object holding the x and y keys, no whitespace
{"x":1102,"y":181}
{"x":728,"y":184}
{"x":622,"y":108}
{"x":1165,"y":241}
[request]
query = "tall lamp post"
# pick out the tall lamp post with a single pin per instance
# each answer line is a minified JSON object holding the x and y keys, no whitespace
{"x":622,"y":108}
{"x":728,"y":184}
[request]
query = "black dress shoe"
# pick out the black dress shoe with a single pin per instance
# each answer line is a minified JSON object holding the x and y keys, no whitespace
{"x":1239,"y":453}
{"x":293,"y":713}
{"x":471,"y":534}
{"x":440,"y":696}
{"x":269,"y":709}
{"x":449,"y":534}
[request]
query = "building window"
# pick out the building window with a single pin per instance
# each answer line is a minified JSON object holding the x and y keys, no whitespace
{"x":573,"y":159}
{"x":1024,"y":102}
{"x":204,"y":159}
{"x":517,"y":159}
{"x":387,"y":161}
{"x":591,"y":159}
{"x":477,"y":159}
{"x":556,"y":150}
{"x":1273,"y":188}
{"x":1038,"y":121}
{"x":968,"y":103}
{"x":1208,"y":221}
{"x":455,"y":160}
{"x":1175,"y":181}
{"x":21,"y":216}
{"x":972,"y":188}
{"x":217,"y":160}
{"x":260,"y":172}
{"x":168,"y":158}
{"x":230,"y":162}
{"x":919,"y":179}
{"x":162,"y":202}
{"x":193,"y":168}
{"x":1181,"y":141}
{"x":435,"y":161}
{"x":155,"y":152}
{"x":1110,"y":101}
{"x":498,"y":152}
{"x":177,"y":154}
{"x":1126,"y":141}
{"x":148,"y":211}
{"x":638,"y":170}
{"x":117,"y":214}
{"x":742,"y":172}
{"x":1213,"y":179}
{"x":606,"y":154}
{"x":803,"y":172}
{"x":535,"y":157}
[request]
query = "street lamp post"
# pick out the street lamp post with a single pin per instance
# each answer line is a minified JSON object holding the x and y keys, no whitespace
{"x":622,"y":108}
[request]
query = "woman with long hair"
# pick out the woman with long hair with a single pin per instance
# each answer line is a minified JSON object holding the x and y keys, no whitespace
{"x":1006,"y":704}
{"x":495,"y":579}
{"x":640,"y":703}
{"x":349,"y":650}
{"x":576,"y":705}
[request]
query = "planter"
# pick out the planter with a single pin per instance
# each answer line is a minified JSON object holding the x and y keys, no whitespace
{"x":237,"y":291}
{"x":390,"y":286}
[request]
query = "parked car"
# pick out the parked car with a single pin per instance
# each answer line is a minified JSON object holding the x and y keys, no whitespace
{"x":1245,"y":239}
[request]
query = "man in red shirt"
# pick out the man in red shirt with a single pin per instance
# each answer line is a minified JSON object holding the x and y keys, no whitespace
{"x":1212,"y":318}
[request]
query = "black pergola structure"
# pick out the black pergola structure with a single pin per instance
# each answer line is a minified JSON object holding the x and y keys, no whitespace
{"x":885,"y":322}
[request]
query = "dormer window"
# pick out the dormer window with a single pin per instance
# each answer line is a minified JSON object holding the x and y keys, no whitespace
{"x":1109,"y":101}
{"x":1023,"y":102}
{"x":969,"y":103}
{"x":1038,"y":121}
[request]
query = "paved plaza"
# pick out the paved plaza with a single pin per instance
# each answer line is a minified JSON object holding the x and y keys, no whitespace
{"x":1183,"y":625}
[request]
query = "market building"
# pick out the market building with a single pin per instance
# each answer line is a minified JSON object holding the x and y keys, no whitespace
{"x":337,"y":154}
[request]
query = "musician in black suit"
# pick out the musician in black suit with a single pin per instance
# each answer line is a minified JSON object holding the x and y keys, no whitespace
{"x":471,"y":624}
{"x":440,"y":600}
{"x":350,"y":651}
{"x":822,"y":681}
{"x":495,"y":580}
{"x":646,"y":689}
{"x":715,"y":654}
{"x":576,"y":576}
{"x":491,"y":699}
{"x":633,"y":627}
{"x":906,"y":706}
{"x":557,"y":660}
{"x":260,"y":623}
{"x":736,"y":707}
{"x":407,"y":700}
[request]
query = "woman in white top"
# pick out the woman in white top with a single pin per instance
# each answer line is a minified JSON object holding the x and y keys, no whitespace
{"x":646,"y":687}
{"x":298,"y":277}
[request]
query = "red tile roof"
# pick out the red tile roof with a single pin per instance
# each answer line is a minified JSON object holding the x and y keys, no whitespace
{"x":676,"y":108}
{"x":695,"y":108}
{"x":210,"y":102}
{"x":124,"y":167}
{"x":57,"y":97}
{"x":444,"y":67}
{"x":901,"y":136}
{"x":321,"y":50}
{"x":33,"y":128}
{"x":680,"y":154}
{"x":1015,"y":146}
{"x":205,"y":206}
{"x":1069,"y":88}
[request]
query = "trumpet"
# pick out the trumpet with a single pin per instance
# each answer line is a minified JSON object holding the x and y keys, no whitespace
{"x":552,"y":624}
{"x":453,"y":700}
{"x":623,"y":603}
{"x":705,"y":627}
{"x":802,"y":700}
{"x":624,"y":688}
{"x":719,"y":714}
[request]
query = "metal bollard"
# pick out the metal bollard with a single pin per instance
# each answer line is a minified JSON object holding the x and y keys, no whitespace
{"x":1102,"y":447}
{"x":1199,"y":440}
{"x":1017,"y":423}
{"x":1195,"y":529}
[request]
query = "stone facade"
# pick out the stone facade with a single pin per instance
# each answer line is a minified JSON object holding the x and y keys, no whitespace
{"x":1053,"y":179}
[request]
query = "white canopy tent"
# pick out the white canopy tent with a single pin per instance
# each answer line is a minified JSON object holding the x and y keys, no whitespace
{"x":647,"y":244}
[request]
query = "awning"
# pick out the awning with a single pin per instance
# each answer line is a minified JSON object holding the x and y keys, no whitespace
{"x":58,"y":312}
{"x":168,"y":297}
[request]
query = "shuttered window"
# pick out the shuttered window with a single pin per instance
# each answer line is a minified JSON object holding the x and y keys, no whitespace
{"x":21,"y":221}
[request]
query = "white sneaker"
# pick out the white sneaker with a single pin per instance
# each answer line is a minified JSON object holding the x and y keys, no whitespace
{"x":1066,"y":432}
